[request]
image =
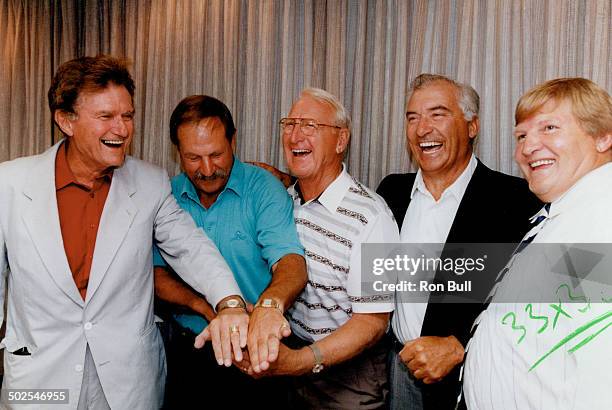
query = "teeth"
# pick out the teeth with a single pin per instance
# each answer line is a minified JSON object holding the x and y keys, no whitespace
{"x":429,"y":144}
{"x":541,"y":162}
{"x":113,"y":142}
{"x":300,"y":151}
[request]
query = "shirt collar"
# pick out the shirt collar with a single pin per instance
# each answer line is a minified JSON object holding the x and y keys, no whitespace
{"x":235,"y":182}
{"x":64,"y":175}
{"x":545,"y":211}
{"x":331,"y":197}
{"x":456,"y":189}
{"x":236,"y":179}
{"x":335,"y":192}
{"x":581,"y":190}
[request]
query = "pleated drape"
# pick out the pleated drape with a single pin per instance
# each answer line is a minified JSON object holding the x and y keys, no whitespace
{"x":257,"y":55}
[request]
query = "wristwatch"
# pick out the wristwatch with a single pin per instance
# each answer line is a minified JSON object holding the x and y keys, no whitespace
{"x":269,"y":303}
{"x":233,"y":302}
{"x":318,"y":366}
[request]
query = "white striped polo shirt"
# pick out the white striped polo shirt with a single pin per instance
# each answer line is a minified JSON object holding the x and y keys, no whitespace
{"x":332,"y":228}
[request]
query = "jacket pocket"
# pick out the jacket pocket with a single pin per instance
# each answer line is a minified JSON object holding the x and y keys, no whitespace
{"x":17,"y":348}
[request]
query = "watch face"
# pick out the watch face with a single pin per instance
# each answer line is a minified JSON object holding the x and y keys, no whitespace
{"x":267,"y":303}
{"x":232,"y":303}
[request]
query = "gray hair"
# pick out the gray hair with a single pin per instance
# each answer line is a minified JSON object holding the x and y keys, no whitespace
{"x":342,"y":117}
{"x":467,"y":97}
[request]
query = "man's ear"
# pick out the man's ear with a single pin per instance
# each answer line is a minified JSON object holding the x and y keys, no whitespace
{"x":343,"y":139}
{"x":474,"y":127}
{"x":63,"y":120}
{"x":233,"y":142}
{"x":604,"y":143}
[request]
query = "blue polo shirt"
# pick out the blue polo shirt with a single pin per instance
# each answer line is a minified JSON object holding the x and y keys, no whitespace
{"x":251,"y":222}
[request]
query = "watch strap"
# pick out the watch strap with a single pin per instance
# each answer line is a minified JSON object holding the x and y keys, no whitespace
{"x":318,"y":356}
{"x":269,"y":303}
{"x":233,"y":302}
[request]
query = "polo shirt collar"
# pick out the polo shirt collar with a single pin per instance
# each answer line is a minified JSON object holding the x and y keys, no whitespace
{"x":236,"y":179}
{"x":336,"y":191}
{"x":331,"y":197}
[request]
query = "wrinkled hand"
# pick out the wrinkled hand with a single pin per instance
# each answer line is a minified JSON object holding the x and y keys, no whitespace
{"x":289,"y":363}
{"x":267,"y":327}
{"x":224,"y":341}
{"x":285,"y":179}
{"x":431,"y":358}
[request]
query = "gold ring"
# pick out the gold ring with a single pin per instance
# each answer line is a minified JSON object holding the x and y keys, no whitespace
{"x":234,"y":329}
{"x":284,"y":325}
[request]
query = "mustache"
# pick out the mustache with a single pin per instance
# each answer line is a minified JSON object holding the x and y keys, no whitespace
{"x":217,"y":174}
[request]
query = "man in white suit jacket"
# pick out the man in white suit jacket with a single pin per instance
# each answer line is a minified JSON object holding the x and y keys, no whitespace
{"x":102,"y":343}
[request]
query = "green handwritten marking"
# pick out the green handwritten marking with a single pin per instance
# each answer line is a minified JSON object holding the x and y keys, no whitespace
{"x":589,"y":338}
{"x":575,"y":298}
{"x":572,"y":335}
{"x":560,"y":311}
{"x":529,"y":309}
{"x":514,"y":327}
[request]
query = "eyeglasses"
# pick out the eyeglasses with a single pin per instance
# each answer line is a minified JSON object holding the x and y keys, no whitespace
{"x":308,"y":126}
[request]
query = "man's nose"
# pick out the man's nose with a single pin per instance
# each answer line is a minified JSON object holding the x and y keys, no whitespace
{"x":531,"y":142}
{"x":120,"y":127}
{"x":296,"y":133}
{"x":207,"y":167}
{"x":423,"y":126}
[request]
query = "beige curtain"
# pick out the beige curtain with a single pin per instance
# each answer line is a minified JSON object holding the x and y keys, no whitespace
{"x":25,"y":71}
{"x":257,"y":55}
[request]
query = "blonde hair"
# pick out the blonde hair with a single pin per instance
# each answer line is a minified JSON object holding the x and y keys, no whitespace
{"x":591,"y":105}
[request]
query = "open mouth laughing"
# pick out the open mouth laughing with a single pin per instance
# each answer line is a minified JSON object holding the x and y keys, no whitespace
{"x":430,"y":146}
{"x":113,"y":143}
{"x":541,"y":163}
{"x":300,"y":152}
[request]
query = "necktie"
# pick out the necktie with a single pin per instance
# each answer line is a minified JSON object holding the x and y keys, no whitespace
{"x":531,"y":234}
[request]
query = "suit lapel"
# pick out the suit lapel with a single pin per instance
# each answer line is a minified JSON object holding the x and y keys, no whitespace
{"x":401,"y":198}
{"x":117,"y":217}
{"x":41,"y":219}
{"x":470,"y":208}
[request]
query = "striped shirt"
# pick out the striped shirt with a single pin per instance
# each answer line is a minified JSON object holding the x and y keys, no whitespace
{"x":332,"y":228}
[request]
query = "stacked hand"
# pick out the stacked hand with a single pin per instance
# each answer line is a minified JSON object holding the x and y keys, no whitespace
{"x":232,"y":330}
{"x":228,"y":333}
{"x":267,"y":327}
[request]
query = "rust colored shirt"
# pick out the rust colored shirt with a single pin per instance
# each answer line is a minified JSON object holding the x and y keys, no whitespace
{"x":80,"y":210}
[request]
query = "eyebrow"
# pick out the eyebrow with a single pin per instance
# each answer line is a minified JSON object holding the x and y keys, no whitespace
{"x":437,"y":107}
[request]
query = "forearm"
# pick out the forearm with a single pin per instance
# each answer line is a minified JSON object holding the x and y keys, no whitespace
{"x":187,"y":249}
{"x":361,"y":332}
{"x":289,"y":277}
{"x":170,"y":289}
{"x":358,"y":334}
